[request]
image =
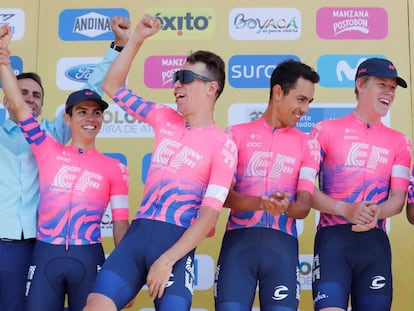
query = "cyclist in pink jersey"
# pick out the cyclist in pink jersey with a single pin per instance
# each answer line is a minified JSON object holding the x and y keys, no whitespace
{"x":19,"y":185}
{"x":410,"y":199}
{"x":76,"y":185}
{"x":191,"y":169}
{"x":363,"y":180}
{"x":274,"y":182}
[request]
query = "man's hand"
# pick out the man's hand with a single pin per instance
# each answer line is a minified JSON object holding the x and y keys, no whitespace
{"x":147,"y":26}
{"x":277,"y":203}
{"x":360,"y":213}
{"x":121,"y":28}
{"x":5,"y":36}
{"x":158,"y":277}
{"x":365,"y":226}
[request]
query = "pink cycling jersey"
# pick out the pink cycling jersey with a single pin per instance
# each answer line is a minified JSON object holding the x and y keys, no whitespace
{"x":76,"y":187}
{"x":189,"y":168}
{"x":410,"y":196}
{"x":272,"y":160}
{"x":360,"y":162}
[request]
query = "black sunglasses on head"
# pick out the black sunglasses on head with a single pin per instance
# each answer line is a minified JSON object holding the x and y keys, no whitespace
{"x":187,"y":76}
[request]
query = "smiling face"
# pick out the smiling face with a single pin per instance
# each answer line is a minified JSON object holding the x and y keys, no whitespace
{"x":85,"y":123}
{"x":190,"y":96}
{"x":376,"y":95}
{"x":32,"y":95}
{"x":289,"y":108}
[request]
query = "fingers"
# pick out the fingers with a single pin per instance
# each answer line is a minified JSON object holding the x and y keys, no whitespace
{"x":275,"y":204}
{"x":151,"y":22}
{"x":5,"y":35}
{"x":120,"y":22}
{"x":156,"y":290}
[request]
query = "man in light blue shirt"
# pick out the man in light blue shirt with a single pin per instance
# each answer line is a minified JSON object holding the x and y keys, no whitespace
{"x":19,"y":184}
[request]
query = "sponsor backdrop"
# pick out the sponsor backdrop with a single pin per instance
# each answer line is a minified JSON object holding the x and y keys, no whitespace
{"x":63,"y":40}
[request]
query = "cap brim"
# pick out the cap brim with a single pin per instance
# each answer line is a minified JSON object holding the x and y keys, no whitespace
{"x":401,"y":82}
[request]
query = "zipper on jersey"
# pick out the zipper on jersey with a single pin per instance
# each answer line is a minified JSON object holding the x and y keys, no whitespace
{"x":68,"y":222}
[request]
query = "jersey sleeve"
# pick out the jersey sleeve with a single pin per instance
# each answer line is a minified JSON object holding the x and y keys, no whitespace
{"x":400,"y":174}
{"x":221,"y":175}
{"x":119,"y":193}
{"x":310,"y":166}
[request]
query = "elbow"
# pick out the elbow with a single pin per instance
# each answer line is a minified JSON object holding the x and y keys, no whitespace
{"x":109,"y":88}
{"x":106,"y":88}
{"x":410,"y":213}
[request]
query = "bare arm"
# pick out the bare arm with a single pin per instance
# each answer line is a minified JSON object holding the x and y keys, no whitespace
{"x":300,"y":208}
{"x":10,"y":87}
{"x":276,"y":203}
{"x":393,"y":205}
{"x":119,"y":229}
{"x":410,"y":213}
{"x":118,"y":72}
{"x":357,"y":213}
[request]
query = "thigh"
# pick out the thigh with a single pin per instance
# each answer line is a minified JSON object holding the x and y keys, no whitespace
{"x":331,"y":271}
{"x":279,"y":288}
{"x":83,"y":264}
{"x":45,"y":286}
{"x":125,"y":270}
{"x":237,"y":264}
{"x":372,"y":288}
{"x":179,"y":291}
{"x":14,"y":265}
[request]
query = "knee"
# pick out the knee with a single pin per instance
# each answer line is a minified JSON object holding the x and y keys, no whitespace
{"x":99,"y":302}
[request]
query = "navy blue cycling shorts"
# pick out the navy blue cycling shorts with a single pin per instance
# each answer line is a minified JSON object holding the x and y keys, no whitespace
{"x":261,"y":258}
{"x":55,"y":272}
{"x":125,"y":270}
{"x":352,"y":264}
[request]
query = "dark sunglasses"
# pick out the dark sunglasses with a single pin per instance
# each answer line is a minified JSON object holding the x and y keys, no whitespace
{"x":187,"y":76}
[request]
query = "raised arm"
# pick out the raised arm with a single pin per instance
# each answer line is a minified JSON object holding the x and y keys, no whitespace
{"x":121,"y":28}
{"x":118,"y":72}
{"x":10,"y":87}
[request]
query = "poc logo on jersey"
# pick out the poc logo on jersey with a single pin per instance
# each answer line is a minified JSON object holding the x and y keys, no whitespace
{"x":339,"y":70}
{"x":265,"y":24}
{"x":254,"y":71}
{"x":73,"y":72}
{"x":88,"y":24}
{"x":352,"y":23}
{"x":159,"y":70}
{"x":16,"y":19}
{"x":184,"y":23}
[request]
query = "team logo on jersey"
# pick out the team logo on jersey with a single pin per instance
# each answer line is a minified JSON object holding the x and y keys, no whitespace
{"x":88,"y":24}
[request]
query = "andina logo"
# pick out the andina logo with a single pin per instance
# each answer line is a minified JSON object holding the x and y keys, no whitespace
{"x":186,"y":24}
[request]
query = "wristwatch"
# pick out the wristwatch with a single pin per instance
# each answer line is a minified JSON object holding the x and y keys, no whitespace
{"x":116,"y":47}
